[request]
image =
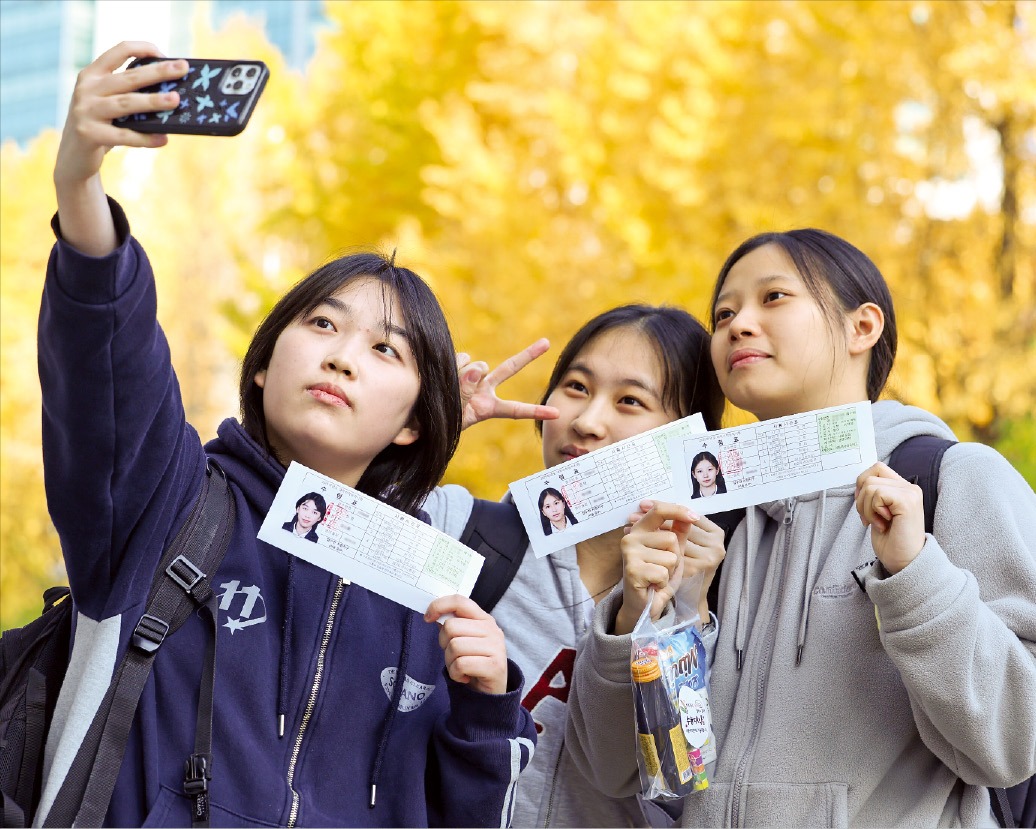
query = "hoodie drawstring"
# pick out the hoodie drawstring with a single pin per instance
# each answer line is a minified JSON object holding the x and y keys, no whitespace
{"x":812,"y":569}
{"x":397,"y":693}
{"x":286,"y":629}
{"x":742,"y":609}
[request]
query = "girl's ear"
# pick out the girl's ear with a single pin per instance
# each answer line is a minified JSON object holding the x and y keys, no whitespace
{"x":260,"y":378}
{"x":866,"y":325}
{"x":408,"y":434}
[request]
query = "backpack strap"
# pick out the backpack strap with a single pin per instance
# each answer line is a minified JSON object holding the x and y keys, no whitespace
{"x":1001,"y":805}
{"x":918,"y":459}
{"x":495,"y":531}
{"x":180,"y":586}
{"x":729,"y":521}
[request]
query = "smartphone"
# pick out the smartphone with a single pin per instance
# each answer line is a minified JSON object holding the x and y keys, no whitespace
{"x":217,"y":97}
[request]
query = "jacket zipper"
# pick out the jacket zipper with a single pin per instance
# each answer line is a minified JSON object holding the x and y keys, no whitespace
{"x":554,"y":783}
{"x":742,"y":767}
{"x":311,"y":703}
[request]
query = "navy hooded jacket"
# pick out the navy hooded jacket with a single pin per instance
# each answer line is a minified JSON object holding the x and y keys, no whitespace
{"x":123,"y":468}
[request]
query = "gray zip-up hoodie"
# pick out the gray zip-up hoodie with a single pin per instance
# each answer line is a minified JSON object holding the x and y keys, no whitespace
{"x":545,"y":615}
{"x":832,"y":720}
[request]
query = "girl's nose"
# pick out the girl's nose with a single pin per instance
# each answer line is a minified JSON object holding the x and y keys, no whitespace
{"x":341,"y":360}
{"x":591,"y":421}
{"x":742,"y":324}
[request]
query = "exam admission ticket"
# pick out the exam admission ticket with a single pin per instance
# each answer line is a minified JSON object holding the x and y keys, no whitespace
{"x":599,"y":490}
{"x":774,"y":459}
{"x":368,"y":542}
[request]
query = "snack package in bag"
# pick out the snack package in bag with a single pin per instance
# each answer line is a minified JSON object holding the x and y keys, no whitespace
{"x":669,"y":669}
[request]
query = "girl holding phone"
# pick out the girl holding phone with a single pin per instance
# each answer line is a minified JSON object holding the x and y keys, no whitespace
{"x":864,"y":672}
{"x":323,"y":689}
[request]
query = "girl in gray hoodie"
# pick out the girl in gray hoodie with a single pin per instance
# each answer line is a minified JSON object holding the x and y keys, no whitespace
{"x":894,"y":702}
{"x":627,"y":370}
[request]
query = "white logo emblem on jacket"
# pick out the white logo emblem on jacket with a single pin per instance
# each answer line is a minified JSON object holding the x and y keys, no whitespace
{"x":245,"y":616}
{"x":414,"y":692}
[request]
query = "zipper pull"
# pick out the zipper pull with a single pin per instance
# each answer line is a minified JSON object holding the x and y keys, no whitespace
{"x":789,"y":509}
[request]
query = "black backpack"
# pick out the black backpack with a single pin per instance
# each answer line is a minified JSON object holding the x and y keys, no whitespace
{"x":32,"y":663}
{"x":495,"y":531}
{"x":34,"y":659}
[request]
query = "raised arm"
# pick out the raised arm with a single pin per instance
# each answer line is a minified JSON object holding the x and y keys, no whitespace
{"x":118,"y":456}
{"x":100,"y":96}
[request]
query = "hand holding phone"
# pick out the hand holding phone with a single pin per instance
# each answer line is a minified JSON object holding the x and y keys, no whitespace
{"x":217,"y":97}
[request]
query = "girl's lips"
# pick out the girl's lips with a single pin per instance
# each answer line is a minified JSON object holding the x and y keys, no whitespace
{"x":571,"y":451}
{"x":744,"y":357}
{"x":328,"y":393}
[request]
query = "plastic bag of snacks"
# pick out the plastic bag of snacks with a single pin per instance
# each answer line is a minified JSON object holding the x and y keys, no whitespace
{"x":668,"y":666}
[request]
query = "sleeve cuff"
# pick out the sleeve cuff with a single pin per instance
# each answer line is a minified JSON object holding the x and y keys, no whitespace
{"x":96,"y":280}
{"x":918,"y":593}
{"x":476,"y":716}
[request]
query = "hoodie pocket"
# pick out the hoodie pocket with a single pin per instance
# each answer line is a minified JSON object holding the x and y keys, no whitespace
{"x":173,"y":809}
{"x":797,"y":804}
{"x":772,"y":804}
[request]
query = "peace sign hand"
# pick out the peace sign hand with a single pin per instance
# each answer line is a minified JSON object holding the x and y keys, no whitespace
{"x":478,"y":388}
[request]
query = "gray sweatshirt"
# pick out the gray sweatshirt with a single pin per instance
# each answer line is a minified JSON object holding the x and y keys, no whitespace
{"x":545,"y":615}
{"x":898,"y":725}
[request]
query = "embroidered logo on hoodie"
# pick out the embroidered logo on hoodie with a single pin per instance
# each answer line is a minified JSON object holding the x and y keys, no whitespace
{"x":833,"y":591}
{"x":414,"y":693}
{"x":251,"y":610}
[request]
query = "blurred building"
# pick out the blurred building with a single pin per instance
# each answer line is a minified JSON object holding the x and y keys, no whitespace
{"x":290,"y":25}
{"x":45,"y":43}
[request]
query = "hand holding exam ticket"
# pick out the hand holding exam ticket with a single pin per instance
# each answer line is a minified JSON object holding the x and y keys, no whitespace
{"x":594,"y":493}
{"x":366,"y":541}
{"x":709,"y":472}
{"x":773,"y":459}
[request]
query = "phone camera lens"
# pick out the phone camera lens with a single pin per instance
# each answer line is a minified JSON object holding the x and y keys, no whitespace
{"x":252,"y":71}
{"x":236,"y":71}
{"x":236,"y":85}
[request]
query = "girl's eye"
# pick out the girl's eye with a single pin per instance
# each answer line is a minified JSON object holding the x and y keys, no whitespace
{"x":385,"y":348}
{"x":629,"y":400}
{"x":723,"y":314}
{"x":772,"y":296}
{"x":323,"y":322}
{"x":576,"y":386}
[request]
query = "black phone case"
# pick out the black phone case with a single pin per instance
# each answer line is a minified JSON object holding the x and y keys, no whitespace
{"x":209,"y":102}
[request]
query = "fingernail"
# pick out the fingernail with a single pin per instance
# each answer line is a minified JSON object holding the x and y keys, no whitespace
{"x":473,"y":376}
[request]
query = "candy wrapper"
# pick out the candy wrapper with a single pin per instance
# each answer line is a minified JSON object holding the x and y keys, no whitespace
{"x":668,"y":666}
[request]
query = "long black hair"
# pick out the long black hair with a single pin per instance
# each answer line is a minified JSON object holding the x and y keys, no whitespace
{"x":402,"y":476}
{"x":840,"y":278}
{"x":689,"y":381}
